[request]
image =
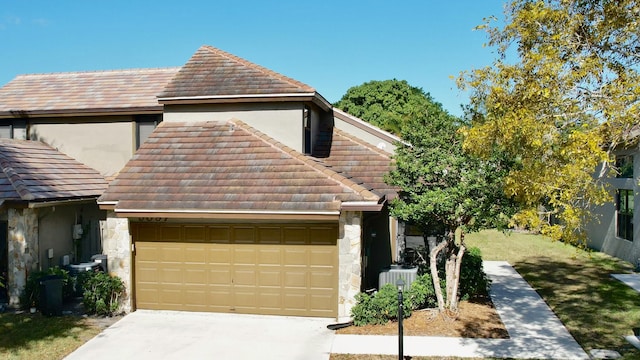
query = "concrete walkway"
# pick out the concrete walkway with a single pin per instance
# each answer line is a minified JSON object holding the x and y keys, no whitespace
{"x":535,"y":332}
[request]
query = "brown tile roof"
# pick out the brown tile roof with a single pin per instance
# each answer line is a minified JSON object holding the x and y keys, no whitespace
{"x":212,"y":72}
{"x":82,"y":92}
{"x":33,"y":171}
{"x":226,"y":166}
{"x":361,"y":162}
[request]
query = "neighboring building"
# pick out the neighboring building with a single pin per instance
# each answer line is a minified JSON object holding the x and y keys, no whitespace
{"x":614,"y":232}
{"x":252,"y":195}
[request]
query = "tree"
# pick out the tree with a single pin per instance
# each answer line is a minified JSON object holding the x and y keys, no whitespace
{"x":442,"y":189}
{"x":385,"y":104}
{"x":561,"y":95}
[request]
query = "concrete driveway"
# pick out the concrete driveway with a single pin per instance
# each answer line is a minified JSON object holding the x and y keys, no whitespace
{"x":146,"y":334}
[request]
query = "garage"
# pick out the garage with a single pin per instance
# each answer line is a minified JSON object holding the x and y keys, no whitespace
{"x":275,"y":269}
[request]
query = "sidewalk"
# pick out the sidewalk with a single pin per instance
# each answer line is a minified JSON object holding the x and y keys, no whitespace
{"x":534,"y":330}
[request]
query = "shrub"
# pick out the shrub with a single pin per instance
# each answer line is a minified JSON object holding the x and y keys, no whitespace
{"x":379,"y":308}
{"x":473,"y":280}
{"x":30,"y":295}
{"x":102,"y":293}
{"x":421,"y":294}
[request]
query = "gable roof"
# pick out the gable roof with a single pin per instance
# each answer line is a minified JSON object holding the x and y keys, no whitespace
{"x":227,"y":168}
{"x":91,"y":92}
{"x":213,"y":75}
{"x":34,"y":171}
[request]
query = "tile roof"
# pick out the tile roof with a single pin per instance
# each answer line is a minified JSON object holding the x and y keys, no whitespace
{"x":212,"y":72}
{"x":226,"y":166}
{"x":33,"y":171}
{"x":92,"y":91}
{"x":360,"y":161}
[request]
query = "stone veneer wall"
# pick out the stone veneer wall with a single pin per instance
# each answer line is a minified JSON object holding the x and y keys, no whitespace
{"x":22,"y":250}
{"x":116,"y":244}
{"x":350,"y":270}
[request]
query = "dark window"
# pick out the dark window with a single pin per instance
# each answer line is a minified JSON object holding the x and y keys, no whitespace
{"x":145,"y":124}
{"x":306,"y":123}
{"x":624,"y":164}
{"x":624,"y":210}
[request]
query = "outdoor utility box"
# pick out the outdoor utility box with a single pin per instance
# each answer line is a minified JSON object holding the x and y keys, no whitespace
{"x":102,"y":261}
{"x":51,"y":295}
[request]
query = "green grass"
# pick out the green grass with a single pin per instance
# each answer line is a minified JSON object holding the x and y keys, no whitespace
{"x":597,"y":309}
{"x":26,"y":336}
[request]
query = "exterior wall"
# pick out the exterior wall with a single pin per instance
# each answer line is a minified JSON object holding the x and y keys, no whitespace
{"x":117,"y":247}
{"x":602,"y":233}
{"x":22,"y":250}
{"x":364,"y":135}
{"x":281,"y":121}
{"x":56,"y":227}
{"x":104,"y":143}
{"x":350,"y":271}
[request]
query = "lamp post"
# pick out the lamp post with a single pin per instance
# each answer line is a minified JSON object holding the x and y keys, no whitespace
{"x":400,"y":285}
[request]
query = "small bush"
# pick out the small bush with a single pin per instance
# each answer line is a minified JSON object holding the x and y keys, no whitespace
{"x":473,"y":280}
{"x":30,"y":295}
{"x":379,"y":308}
{"x":422,"y":295}
{"x":102,"y":293}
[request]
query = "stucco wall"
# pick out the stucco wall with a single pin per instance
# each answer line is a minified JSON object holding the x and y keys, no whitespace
{"x":281,"y":121}
{"x":22,"y":244}
{"x":359,"y":132}
{"x":602,"y":232}
{"x":105,"y":144}
{"x":350,"y":263}
{"x":56,"y":225}
{"x":116,"y":242}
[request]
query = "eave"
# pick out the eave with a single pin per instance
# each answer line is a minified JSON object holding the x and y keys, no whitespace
{"x":23,"y":114}
{"x":223,"y":99}
{"x":225,"y":214}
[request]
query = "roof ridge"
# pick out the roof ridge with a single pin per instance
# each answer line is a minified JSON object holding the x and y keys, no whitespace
{"x":326,"y":171}
{"x":101,"y":71}
{"x":260,"y":68}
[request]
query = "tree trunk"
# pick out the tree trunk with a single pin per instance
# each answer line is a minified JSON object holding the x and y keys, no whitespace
{"x":433,"y":256}
{"x":454,"y":264}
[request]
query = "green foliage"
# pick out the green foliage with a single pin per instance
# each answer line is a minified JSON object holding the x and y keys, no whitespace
{"x":473,"y":280}
{"x":421,"y":295}
{"x":386,"y":104}
{"x":380,"y":307}
{"x":102,"y":293}
{"x":30,"y":295}
{"x":563,"y":93}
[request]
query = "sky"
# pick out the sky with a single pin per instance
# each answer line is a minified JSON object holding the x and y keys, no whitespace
{"x":331,"y":45}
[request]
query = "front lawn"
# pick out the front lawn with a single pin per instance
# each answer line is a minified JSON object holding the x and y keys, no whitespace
{"x":27,"y":336}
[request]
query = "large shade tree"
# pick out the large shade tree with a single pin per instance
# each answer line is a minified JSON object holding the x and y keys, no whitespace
{"x":446,"y":191}
{"x":563,"y":92}
{"x":442,"y":190}
{"x":385,"y":104}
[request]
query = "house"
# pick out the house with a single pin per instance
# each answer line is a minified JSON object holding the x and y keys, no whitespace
{"x":251,"y":193}
{"x":613,"y":232}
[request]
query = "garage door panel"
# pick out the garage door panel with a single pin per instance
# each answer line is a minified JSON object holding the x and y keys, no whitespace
{"x":256,"y":269}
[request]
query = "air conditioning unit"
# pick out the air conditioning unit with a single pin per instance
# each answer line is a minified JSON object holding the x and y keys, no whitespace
{"x":390,"y":276}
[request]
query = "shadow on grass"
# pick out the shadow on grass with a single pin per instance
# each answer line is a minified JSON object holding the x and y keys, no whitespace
{"x":597,"y":309}
{"x":24,"y":331}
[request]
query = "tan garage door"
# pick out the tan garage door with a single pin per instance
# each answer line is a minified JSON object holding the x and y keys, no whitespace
{"x":283,"y":269}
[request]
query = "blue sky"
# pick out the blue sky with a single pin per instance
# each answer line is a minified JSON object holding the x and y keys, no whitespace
{"x":329,"y":45}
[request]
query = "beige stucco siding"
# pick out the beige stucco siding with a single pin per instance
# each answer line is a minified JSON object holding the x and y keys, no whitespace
{"x":365,"y":135}
{"x":104,"y":146}
{"x":281,"y":121}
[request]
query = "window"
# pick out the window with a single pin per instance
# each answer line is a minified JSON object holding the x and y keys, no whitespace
{"x":624,"y":212}
{"x":624,"y":164}
{"x":6,"y":131}
{"x":145,"y":124}
{"x":306,"y":123}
